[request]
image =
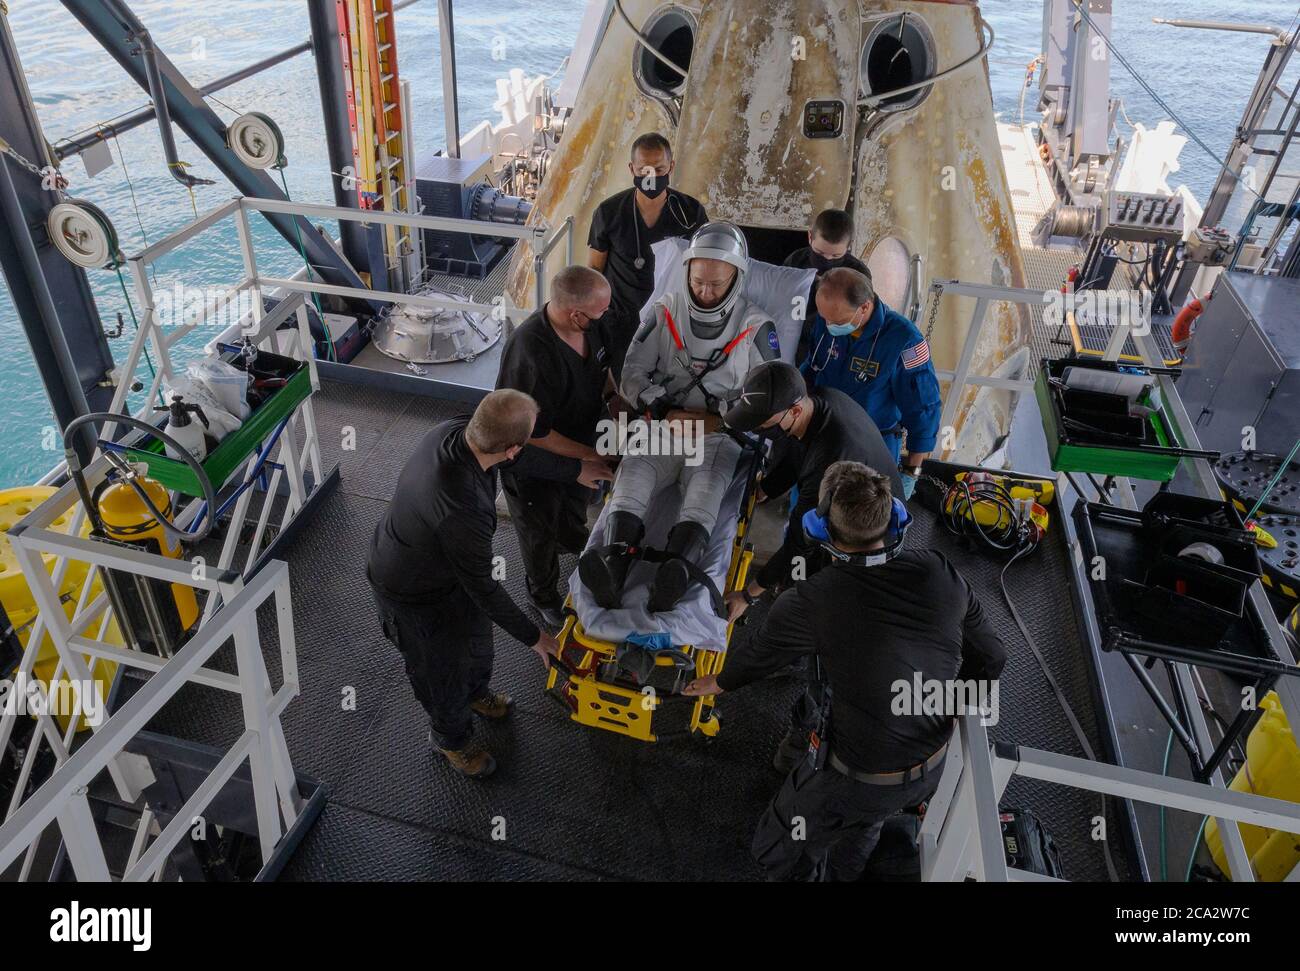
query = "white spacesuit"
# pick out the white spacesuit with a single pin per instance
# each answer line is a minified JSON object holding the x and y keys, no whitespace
{"x":691,"y":353}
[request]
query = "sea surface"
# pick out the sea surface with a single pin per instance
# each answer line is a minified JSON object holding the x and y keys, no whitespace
{"x":1203,"y":76}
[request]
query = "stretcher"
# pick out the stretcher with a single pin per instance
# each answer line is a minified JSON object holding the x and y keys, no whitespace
{"x":607,"y":681}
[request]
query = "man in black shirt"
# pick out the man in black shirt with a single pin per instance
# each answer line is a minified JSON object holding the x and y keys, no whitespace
{"x":878,"y":630}
{"x":829,"y":240}
{"x":558,"y":357}
{"x":624,"y":228}
{"x":812,"y":430}
{"x":434,"y":579}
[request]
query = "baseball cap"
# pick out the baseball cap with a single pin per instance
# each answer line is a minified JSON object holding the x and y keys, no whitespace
{"x":769,"y":389}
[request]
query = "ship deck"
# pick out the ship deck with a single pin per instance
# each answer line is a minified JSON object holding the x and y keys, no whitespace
{"x":575,"y":803}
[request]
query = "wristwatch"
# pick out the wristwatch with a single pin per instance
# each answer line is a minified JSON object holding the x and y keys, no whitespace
{"x":750,"y":599}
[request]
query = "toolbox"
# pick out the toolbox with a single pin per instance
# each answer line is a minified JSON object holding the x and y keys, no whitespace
{"x":286,"y":383}
{"x":1098,"y":431}
{"x":1152,"y":601}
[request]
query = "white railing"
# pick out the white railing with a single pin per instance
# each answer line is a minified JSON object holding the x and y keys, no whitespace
{"x":1203,"y":483}
{"x":63,"y":797}
{"x":961,"y":835}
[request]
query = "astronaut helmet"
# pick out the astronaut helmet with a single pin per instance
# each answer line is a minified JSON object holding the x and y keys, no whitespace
{"x":724,"y":242}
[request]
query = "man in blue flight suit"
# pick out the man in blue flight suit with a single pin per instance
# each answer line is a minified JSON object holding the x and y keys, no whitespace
{"x":879,"y":359}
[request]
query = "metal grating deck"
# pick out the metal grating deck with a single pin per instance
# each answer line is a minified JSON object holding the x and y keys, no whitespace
{"x":576,"y":803}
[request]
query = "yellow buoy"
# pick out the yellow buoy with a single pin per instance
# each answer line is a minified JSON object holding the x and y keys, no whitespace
{"x":16,"y":595}
{"x":1272,"y":769}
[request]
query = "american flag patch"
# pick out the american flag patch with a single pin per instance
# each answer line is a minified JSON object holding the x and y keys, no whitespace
{"x":914,"y":357}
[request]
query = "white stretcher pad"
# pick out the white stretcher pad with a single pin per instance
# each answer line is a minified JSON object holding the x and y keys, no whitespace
{"x":692,"y":621}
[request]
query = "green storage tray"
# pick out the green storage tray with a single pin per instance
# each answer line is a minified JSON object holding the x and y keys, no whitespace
{"x":226,"y":458}
{"x":1157,"y":463}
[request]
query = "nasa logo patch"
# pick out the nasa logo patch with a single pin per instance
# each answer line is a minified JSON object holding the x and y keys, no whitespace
{"x":773,"y":342}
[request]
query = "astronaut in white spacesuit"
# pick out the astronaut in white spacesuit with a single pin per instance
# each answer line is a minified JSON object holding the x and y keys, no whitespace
{"x":687,"y":362}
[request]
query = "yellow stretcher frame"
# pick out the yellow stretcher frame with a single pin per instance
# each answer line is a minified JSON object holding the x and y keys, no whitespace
{"x":630,"y":711}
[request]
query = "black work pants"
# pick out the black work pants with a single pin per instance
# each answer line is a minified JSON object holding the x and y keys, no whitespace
{"x":823,"y":825}
{"x":548,"y":516}
{"x":449,"y":665}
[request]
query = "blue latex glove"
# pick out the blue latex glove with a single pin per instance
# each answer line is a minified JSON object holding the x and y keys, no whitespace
{"x":658,"y":641}
{"x":909,"y":485}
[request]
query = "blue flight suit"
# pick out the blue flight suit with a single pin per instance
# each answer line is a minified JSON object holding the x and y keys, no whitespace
{"x":886,"y":368}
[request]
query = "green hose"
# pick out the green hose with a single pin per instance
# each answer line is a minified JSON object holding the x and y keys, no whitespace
{"x":1164,"y":848}
{"x":1277,"y":476}
{"x":1196,"y":844}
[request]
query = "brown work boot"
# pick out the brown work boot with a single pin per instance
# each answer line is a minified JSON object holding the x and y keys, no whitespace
{"x":472,"y":761}
{"x":493,"y":707}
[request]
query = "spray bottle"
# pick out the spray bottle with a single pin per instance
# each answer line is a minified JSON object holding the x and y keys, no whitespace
{"x":184,"y":429}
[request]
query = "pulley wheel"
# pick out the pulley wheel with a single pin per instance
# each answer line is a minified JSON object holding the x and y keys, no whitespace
{"x":256,"y":141}
{"x":83,"y":234}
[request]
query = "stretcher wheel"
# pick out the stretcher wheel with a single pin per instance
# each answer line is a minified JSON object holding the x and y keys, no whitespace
{"x":709,"y":728}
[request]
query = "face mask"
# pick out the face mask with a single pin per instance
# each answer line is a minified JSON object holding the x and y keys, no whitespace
{"x":822,"y":263}
{"x":775,"y":432}
{"x":839,"y":330}
{"x":651,"y":185}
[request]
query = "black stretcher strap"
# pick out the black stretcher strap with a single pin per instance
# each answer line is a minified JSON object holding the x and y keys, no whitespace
{"x":652,"y":555}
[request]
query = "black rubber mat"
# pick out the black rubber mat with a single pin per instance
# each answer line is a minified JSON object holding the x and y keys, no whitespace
{"x":566,"y":802}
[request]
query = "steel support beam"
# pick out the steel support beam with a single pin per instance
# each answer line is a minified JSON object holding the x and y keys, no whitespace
{"x":52,"y":296}
{"x":115,"y":27}
{"x":450,"y":102}
{"x":325,"y":40}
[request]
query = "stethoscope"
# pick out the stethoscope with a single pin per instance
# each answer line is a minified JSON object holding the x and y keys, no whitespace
{"x":679,"y":215}
{"x":862,"y":375}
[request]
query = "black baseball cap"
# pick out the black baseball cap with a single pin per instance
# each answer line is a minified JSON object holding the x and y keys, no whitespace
{"x":769,"y":389}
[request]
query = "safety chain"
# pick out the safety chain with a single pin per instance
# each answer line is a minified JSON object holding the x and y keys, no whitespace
{"x":60,"y":181}
{"x":937,"y":294}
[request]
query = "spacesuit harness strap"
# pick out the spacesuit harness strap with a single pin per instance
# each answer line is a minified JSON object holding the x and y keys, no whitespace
{"x":716,"y":359}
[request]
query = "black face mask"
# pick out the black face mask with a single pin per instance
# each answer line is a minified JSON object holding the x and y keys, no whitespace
{"x":651,"y":185}
{"x":775,"y":432}
{"x":821,"y":263}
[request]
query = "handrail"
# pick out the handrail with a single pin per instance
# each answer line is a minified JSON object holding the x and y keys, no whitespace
{"x":67,"y":783}
{"x":970,"y":801}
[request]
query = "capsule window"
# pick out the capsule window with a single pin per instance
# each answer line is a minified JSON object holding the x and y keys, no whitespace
{"x":899,"y":51}
{"x":890,"y":264}
{"x":671,"y":30}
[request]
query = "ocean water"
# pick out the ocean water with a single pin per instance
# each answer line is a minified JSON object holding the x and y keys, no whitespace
{"x":1204,"y":76}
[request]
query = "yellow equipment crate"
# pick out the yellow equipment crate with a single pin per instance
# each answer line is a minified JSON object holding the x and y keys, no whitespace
{"x":627,"y":709}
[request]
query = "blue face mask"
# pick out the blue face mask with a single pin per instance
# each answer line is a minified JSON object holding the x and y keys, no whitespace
{"x":839,"y":330}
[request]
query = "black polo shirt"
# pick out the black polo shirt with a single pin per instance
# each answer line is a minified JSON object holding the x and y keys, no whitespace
{"x":569,"y":390}
{"x":875,"y":629}
{"x":615,"y":226}
{"x":432,"y":549}
{"x":840,"y":429}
